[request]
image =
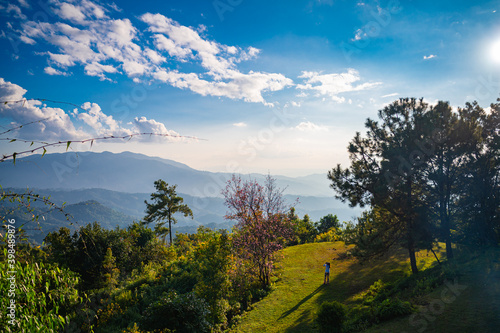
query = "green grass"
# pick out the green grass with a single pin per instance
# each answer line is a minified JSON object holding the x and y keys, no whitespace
{"x":297,"y":295}
{"x":474,"y":308}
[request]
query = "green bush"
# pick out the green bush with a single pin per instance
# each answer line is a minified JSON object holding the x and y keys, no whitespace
{"x":180,"y":313}
{"x":331,"y":317}
{"x":41,"y":296}
{"x":359,"y":318}
{"x":390,"y":309}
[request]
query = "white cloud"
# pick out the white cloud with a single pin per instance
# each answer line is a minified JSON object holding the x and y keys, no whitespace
{"x":49,"y":123}
{"x":143,"y":125}
{"x":389,"y":95}
{"x":53,"y":124}
{"x":53,"y":71}
{"x":63,"y":60}
{"x":86,"y":36}
{"x":241,"y":124}
{"x":307,"y":126}
{"x":24,"y":3}
{"x":430,"y":56}
{"x":70,"y":12}
{"x":360,"y":34}
{"x":333,"y":85}
{"x":27,"y":40}
{"x":17,"y":13}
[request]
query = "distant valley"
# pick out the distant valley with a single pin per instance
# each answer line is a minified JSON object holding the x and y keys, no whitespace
{"x":111,"y":188}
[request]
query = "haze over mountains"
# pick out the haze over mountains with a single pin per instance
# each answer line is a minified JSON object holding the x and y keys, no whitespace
{"x":121,"y":182}
{"x":133,"y":173}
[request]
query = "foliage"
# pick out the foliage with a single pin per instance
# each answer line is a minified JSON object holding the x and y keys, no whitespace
{"x":331,"y":317}
{"x":479,"y":192}
{"x":375,"y":233}
{"x":85,"y":251}
{"x":165,"y":203}
{"x":417,"y":167}
{"x":213,"y":259}
{"x":331,"y":235}
{"x":180,"y":313}
{"x":44,"y":294}
{"x":390,"y":309}
{"x":303,"y":229}
{"x":110,"y":272}
{"x":327,"y":222}
{"x":263,"y":227}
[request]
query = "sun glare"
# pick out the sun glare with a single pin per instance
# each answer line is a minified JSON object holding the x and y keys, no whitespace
{"x":495,"y":51}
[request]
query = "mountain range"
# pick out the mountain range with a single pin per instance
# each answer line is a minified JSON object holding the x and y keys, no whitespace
{"x":111,"y":188}
{"x":133,"y":173}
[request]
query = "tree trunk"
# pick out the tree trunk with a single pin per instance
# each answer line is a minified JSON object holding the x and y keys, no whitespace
{"x":409,"y":226}
{"x":411,"y":252}
{"x":170,"y":228}
{"x":445,"y":220}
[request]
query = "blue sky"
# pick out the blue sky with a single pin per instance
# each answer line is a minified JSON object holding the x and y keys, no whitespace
{"x":276,"y":87}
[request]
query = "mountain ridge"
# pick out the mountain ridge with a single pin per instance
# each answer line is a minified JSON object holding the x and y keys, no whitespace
{"x":132,"y":172}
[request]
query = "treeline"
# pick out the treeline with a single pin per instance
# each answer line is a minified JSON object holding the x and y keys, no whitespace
{"x":429,"y":174}
{"x":132,"y":280}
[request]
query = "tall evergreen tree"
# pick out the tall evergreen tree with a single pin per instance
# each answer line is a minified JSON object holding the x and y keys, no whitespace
{"x":480,"y":181}
{"x":386,"y":171}
{"x":445,"y":148}
{"x":164,"y":204}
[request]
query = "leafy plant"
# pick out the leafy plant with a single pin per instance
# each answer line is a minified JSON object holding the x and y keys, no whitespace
{"x":331,"y":317}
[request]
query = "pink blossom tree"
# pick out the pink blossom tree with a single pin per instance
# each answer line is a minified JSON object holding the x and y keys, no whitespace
{"x":263,"y":225}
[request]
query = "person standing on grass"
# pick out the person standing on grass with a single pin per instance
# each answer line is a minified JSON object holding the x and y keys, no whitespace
{"x":327,"y":273}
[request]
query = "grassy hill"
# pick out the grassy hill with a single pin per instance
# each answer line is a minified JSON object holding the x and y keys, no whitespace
{"x":298,"y":293}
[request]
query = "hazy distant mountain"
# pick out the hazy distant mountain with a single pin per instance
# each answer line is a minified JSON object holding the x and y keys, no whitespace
{"x":111,"y":189}
{"x":81,"y":213}
{"x":132,"y":173}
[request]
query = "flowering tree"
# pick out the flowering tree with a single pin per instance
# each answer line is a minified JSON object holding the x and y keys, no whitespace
{"x":262,"y":227}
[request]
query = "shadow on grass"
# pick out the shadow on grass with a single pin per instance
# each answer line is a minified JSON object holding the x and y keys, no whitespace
{"x":305,"y":299}
{"x":357,"y":276}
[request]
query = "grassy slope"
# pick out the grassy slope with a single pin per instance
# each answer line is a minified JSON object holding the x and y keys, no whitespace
{"x":291,"y":307}
{"x":475,"y":307}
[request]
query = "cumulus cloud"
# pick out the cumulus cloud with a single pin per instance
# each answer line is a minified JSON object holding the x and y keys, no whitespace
{"x":49,"y":123}
{"x":307,"y":126}
{"x":54,"y":124}
{"x":185,"y":44}
{"x":240,"y":124}
{"x":143,"y":125}
{"x":430,"y":56}
{"x":86,"y":35}
{"x":53,"y":71}
{"x":333,"y":85}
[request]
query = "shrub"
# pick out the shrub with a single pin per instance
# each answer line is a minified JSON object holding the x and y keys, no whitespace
{"x":331,"y":235}
{"x":179,"y":313}
{"x":390,"y":309}
{"x":331,"y":317}
{"x":359,"y":318}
